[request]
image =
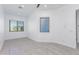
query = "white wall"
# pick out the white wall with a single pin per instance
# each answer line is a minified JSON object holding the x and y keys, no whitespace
{"x":14,"y":35}
{"x":62,"y":26}
{"x":1,"y":27}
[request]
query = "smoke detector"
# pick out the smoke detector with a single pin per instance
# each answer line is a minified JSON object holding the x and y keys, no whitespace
{"x":21,"y":7}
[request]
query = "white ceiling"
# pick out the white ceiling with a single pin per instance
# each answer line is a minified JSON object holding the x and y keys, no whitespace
{"x":28,"y":8}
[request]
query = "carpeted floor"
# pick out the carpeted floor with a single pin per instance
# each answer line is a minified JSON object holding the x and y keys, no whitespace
{"x":29,"y":47}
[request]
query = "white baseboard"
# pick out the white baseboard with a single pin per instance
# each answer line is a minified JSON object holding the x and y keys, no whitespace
{"x":15,"y":38}
{"x":1,"y":44}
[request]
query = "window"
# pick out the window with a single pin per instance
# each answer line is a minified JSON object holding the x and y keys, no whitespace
{"x":16,"y":26}
{"x":13,"y":26}
{"x":20,"y":26}
{"x":44,"y":24}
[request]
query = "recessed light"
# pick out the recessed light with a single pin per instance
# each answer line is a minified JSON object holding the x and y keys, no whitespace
{"x":45,"y":6}
{"x":21,"y":6}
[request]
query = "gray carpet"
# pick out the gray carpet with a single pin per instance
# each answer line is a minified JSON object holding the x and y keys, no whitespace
{"x":29,"y":47}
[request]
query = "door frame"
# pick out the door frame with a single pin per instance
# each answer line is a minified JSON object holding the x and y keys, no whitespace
{"x":76,"y":28}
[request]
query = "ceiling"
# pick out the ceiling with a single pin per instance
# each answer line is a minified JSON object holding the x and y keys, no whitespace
{"x":28,"y":8}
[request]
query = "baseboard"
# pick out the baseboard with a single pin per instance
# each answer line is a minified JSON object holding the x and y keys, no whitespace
{"x":1,"y":44}
{"x":16,"y":38}
{"x":63,"y":44}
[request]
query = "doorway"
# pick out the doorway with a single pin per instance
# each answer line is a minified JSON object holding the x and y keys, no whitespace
{"x":77,"y":28}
